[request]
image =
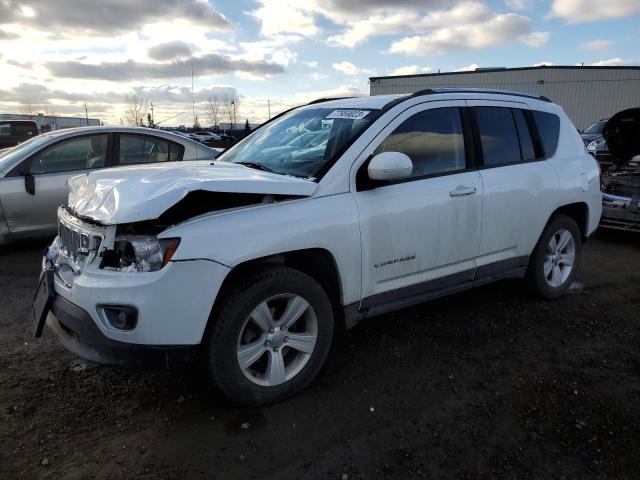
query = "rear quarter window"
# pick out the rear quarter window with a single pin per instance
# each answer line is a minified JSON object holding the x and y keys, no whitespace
{"x":549,"y":129}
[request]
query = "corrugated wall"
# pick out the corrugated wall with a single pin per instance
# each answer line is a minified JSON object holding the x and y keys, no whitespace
{"x":586,"y":94}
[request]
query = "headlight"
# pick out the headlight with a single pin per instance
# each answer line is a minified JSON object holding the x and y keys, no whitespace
{"x":139,"y":253}
{"x":595,"y":145}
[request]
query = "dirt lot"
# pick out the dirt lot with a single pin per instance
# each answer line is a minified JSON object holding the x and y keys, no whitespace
{"x":485,"y":384}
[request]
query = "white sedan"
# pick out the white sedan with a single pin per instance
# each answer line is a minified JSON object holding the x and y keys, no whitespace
{"x":33,"y":175}
{"x":204,"y":136}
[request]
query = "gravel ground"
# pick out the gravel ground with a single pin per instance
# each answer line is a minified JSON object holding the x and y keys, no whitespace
{"x":488,"y":384}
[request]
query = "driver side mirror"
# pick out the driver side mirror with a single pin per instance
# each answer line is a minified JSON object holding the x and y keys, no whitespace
{"x":30,"y":183}
{"x":387,"y":166}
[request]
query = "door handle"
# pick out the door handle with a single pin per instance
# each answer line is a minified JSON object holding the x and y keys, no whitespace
{"x":462,"y":190}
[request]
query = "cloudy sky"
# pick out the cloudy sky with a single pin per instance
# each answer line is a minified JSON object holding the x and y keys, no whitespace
{"x":59,"y":53}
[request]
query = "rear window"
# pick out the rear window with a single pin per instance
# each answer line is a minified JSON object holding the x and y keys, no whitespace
{"x":549,"y":129}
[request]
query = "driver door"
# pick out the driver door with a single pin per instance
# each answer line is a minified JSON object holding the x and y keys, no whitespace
{"x":34,"y":213}
{"x":420,"y":234}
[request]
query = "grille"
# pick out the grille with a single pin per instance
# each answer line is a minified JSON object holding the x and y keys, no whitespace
{"x":76,"y":243}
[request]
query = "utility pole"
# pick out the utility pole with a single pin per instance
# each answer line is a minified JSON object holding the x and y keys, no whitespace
{"x":233,"y":102}
{"x":86,"y":112}
{"x":193,"y":98}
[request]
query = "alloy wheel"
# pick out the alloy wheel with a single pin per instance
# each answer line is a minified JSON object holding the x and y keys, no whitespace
{"x":277,"y":339}
{"x":560,"y":258}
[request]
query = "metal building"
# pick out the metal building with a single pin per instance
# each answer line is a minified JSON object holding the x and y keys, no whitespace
{"x":47,"y":123}
{"x":587,"y":94}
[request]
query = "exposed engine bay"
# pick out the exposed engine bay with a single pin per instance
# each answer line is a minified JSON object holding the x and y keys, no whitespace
{"x":621,"y":181}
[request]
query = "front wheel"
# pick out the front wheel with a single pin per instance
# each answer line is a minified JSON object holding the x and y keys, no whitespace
{"x":271,"y":337}
{"x":554,"y":261}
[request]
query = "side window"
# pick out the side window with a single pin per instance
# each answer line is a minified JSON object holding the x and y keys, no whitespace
{"x":136,"y":149}
{"x":69,"y":155}
{"x":5,"y":130}
{"x":433,"y":139}
{"x":527,"y":149}
{"x":498,"y":136}
{"x":549,"y":128}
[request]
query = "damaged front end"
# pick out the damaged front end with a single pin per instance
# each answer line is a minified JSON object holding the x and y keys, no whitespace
{"x":621,"y":182}
{"x":621,"y":198}
{"x":115,"y":219}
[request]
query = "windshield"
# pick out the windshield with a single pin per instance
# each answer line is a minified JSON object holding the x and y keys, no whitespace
{"x":596,"y":127}
{"x":301,"y":143}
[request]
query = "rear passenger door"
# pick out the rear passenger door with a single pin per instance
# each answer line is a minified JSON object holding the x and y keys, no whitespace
{"x":519,"y":185}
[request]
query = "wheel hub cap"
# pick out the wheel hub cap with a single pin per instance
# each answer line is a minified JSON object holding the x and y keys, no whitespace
{"x":277,"y":339}
{"x":558,"y":263}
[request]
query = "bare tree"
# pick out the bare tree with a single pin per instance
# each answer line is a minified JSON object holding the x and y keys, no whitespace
{"x":29,"y":109}
{"x":214,"y":109}
{"x":136,"y":109}
{"x":231,"y":108}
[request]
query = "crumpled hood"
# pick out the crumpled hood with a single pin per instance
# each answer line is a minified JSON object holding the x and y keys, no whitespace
{"x":132,"y":194}
{"x":622,"y":134}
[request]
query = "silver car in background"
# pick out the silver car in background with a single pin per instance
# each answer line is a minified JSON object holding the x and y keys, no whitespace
{"x":33,"y":175}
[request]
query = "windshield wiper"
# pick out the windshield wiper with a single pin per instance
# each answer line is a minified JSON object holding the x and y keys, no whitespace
{"x":256,"y":165}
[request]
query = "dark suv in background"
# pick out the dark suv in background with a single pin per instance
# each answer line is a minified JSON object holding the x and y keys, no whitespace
{"x":13,"y":132}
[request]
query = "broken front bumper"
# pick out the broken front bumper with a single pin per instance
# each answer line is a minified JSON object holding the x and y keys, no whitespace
{"x":620,"y":213}
{"x":78,"y":333}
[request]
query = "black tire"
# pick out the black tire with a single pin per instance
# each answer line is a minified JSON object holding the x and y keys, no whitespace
{"x":535,"y":276}
{"x":220,"y":344}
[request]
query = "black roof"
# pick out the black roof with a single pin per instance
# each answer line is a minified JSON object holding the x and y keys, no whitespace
{"x":491,"y":70}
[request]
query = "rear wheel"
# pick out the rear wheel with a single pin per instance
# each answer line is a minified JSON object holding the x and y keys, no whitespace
{"x":271,"y":337}
{"x":554,"y":261}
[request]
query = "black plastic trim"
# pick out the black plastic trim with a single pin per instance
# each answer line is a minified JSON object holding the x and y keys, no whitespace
{"x":414,"y":294}
{"x":77,"y":332}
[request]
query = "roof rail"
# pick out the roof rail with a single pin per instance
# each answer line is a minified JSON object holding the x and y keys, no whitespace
{"x":433,"y":91}
{"x":322,"y":100}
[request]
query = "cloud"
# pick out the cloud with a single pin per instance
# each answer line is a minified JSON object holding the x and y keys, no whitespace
{"x":468,"y":68}
{"x":169,"y":50}
{"x":349,"y":68}
{"x":517,"y":4}
{"x":359,"y":31}
{"x":313,"y":64}
{"x":597,"y":46}
{"x":318,"y":76}
{"x":536,"y":39}
{"x":209,"y":64}
{"x":542,"y":64}
{"x":304,"y":16}
{"x":107,"y":16}
{"x":579,"y":11}
{"x":411,"y":70}
{"x":468,"y":25}
{"x":469,"y":29}
{"x":613,"y":62}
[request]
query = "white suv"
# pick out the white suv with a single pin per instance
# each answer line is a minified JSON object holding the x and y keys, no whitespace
{"x":255,"y":260}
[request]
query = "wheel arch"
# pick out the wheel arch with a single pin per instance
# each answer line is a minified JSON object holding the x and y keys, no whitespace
{"x":318,"y":263}
{"x":579,"y":212}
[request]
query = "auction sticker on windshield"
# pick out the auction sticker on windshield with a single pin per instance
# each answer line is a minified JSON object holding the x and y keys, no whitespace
{"x":348,"y":114}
